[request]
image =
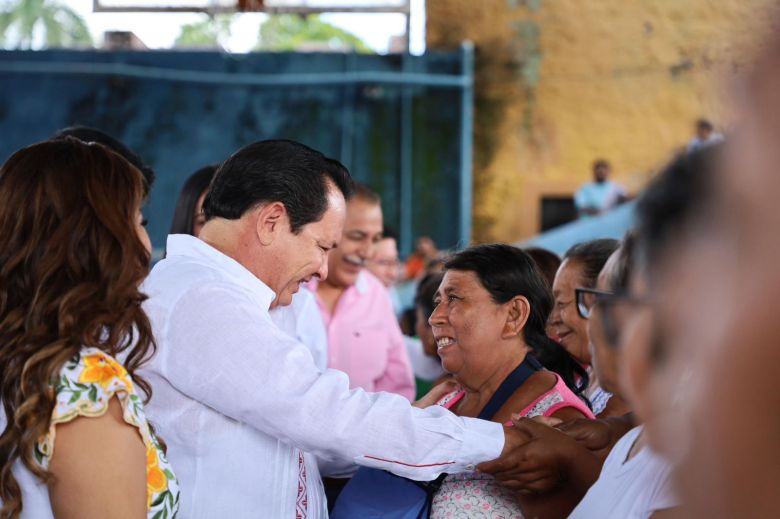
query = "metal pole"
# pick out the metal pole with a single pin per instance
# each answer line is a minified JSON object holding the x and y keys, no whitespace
{"x":234,"y":79}
{"x":466,"y":143}
{"x":348,"y":116}
{"x":406,"y":162}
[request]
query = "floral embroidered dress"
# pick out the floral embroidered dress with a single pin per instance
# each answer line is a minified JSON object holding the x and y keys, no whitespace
{"x":86,"y":384}
{"x":471,"y":495}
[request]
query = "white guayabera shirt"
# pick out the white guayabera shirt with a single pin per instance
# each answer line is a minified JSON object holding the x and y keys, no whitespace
{"x":237,"y":400}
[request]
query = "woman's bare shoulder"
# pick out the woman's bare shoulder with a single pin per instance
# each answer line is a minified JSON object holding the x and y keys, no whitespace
{"x":537,"y":385}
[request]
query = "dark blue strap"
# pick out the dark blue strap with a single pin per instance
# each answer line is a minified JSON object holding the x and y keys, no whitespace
{"x":517,"y":378}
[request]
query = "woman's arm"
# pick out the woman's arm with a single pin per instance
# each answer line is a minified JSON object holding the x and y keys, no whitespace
{"x":99,"y":468}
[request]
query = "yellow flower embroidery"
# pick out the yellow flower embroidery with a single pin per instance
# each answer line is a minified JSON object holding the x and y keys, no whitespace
{"x":156,"y":480}
{"x":100,"y":369}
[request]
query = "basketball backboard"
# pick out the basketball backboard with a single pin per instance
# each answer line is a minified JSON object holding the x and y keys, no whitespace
{"x":268,"y":6}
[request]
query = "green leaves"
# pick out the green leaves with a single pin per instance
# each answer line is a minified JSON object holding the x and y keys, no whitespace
{"x":62,"y":26}
{"x":288,"y":32}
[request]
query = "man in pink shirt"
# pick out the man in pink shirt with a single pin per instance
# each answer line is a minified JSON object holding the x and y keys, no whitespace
{"x":364,"y":339}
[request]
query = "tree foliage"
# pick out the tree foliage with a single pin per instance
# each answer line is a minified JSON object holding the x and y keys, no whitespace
{"x":61,"y":26}
{"x":290,"y":32}
{"x":209,"y":33}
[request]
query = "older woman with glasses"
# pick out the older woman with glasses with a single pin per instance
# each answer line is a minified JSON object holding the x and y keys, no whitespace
{"x":581,"y":265}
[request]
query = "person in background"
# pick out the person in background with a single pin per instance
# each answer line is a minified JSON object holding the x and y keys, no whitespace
{"x":416,"y":264}
{"x":581,"y":265}
{"x":74,"y":438}
{"x":705,"y":136}
{"x":188,"y":217}
{"x":601,"y":195}
{"x":386,"y":266}
{"x":364,"y":339}
{"x":422,"y":348}
{"x":547,"y":261}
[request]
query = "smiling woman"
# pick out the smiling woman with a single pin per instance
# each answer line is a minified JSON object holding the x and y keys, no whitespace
{"x":580,"y":268}
{"x":489,"y":326}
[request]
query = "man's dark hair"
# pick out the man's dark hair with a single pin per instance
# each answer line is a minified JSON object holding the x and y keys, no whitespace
{"x":389,"y":232}
{"x":592,"y":255}
{"x":276,"y":171}
{"x":87,"y":134}
{"x":600,"y":163}
{"x":505,"y":272}
{"x":365,"y":193}
{"x":671,"y":201}
{"x":704,"y":124}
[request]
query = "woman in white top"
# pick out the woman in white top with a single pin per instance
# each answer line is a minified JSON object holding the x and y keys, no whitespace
{"x":74,"y":440}
{"x":635,"y":482}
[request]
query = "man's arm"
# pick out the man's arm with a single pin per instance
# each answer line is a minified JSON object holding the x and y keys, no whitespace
{"x":224,"y":351}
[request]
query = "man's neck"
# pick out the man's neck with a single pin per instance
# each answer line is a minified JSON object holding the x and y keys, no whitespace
{"x":330,"y":294}
{"x":220,"y":235}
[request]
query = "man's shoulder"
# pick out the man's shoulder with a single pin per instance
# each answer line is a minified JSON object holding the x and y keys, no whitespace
{"x":173,"y":279}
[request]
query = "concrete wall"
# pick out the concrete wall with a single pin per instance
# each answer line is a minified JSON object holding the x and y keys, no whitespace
{"x":562,"y":82}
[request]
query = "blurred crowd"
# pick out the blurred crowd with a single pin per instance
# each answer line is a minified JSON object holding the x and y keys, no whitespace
{"x":282,"y":360}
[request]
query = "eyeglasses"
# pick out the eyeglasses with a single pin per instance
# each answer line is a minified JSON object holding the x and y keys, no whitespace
{"x":588,"y":297}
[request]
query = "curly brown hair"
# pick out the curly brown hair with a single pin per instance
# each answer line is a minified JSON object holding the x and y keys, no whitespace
{"x":71,"y":263}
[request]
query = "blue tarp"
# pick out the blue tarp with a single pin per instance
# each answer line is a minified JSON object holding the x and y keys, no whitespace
{"x":613,"y":224}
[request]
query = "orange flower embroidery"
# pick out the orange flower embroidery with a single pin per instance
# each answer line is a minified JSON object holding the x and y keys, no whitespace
{"x":100,"y":369}
{"x":156,"y":480}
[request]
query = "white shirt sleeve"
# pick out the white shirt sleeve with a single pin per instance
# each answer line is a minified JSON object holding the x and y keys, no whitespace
{"x":225,"y":352}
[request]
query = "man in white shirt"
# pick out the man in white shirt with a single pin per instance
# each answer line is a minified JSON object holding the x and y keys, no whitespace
{"x":705,"y":136}
{"x":238,"y":400}
{"x":601,"y":195}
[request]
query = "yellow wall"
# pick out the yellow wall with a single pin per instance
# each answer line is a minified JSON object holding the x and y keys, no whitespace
{"x":562,"y":82}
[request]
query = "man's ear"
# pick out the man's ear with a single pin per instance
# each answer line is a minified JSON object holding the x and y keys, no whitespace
{"x":518,"y":311}
{"x":270,"y":220}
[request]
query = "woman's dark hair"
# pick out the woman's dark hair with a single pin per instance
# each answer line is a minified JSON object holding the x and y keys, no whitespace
{"x":276,"y":171}
{"x":71,"y":263}
{"x":426,"y":291}
{"x":592,"y":255}
{"x":618,"y":280}
{"x":547,"y":262}
{"x":184,"y":215}
{"x":87,"y":134}
{"x":505,"y":272}
{"x":672,"y":200}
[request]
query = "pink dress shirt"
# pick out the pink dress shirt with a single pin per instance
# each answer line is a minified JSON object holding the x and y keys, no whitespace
{"x":364,"y":339}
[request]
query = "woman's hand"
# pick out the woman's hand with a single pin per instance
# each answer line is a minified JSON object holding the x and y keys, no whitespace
{"x":544,"y":462}
{"x":598,"y":435}
{"x":436,"y":394}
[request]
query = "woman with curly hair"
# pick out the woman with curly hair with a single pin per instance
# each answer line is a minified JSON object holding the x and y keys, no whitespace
{"x":74,"y":440}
